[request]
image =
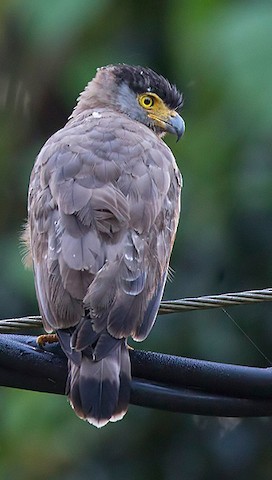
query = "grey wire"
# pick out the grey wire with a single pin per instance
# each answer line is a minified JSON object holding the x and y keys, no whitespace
{"x":216,"y":301}
{"x":21,"y":325}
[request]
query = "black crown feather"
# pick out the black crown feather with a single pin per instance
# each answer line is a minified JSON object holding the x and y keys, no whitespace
{"x":142,"y":79}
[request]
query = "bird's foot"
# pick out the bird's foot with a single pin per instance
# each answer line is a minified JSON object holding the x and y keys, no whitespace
{"x":47,"y":338}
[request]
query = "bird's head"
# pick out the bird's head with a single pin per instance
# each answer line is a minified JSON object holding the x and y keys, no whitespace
{"x":140,"y":93}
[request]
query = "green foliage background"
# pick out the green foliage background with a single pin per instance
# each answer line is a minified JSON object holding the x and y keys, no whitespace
{"x":220,"y":54}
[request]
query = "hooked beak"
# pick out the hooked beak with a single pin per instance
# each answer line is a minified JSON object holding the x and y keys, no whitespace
{"x":175,"y":124}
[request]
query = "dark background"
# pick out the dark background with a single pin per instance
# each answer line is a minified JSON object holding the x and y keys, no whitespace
{"x":220,"y":55}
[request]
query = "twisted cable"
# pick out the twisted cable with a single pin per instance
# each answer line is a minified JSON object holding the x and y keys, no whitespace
{"x":20,"y":325}
{"x":216,"y":301}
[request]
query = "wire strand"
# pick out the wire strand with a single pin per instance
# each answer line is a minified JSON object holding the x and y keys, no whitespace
{"x":216,"y":301}
{"x":247,"y":337}
{"x":20,"y":325}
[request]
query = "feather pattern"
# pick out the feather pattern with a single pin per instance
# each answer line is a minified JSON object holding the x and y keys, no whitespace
{"x":103,"y":212}
{"x":96,"y":389}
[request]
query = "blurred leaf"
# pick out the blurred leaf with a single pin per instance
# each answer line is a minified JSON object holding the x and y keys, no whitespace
{"x":236,"y":50}
{"x":53,"y":23}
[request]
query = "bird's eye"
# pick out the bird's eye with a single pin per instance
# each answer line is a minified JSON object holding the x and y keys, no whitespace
{"x":146,"y":101}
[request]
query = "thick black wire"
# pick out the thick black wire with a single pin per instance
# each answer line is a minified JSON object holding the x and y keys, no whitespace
{"x":159,"y":381}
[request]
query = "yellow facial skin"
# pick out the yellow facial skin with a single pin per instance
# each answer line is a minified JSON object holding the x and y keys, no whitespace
{"x":163,"y":117}
{"x":156,"y":108}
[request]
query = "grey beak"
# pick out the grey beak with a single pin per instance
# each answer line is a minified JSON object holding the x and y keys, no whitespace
{"x":175,"y":125}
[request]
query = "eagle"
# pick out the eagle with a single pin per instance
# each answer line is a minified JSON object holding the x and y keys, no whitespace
{"x":103,"y":210}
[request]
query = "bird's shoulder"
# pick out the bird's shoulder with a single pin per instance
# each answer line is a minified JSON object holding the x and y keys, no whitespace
{"x":108,"y":135}
{"x":99,"y":149}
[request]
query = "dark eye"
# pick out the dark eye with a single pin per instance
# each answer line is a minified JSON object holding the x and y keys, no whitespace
{"x":146,"y":101}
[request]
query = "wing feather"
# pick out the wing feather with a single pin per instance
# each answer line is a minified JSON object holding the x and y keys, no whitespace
{"x":103,"y":212}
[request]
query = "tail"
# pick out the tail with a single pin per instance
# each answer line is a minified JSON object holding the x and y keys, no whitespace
{"x":99,"y":390}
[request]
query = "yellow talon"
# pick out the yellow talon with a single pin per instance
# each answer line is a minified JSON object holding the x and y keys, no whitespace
{"x":47,"y":338}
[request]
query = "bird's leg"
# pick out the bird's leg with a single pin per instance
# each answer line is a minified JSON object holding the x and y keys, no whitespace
{"x":41,"y":340}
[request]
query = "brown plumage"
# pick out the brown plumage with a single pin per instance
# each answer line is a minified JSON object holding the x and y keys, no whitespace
{"x":103,"y":211}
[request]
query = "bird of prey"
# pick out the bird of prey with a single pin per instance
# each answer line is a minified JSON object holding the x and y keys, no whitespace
{"x":103,"y":209}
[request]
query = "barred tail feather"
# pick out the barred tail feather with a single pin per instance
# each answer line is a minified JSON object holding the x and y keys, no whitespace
{"x":99,"y":390}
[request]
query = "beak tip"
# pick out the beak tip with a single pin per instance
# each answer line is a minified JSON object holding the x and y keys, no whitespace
{"x":177,"y":126}
{"x":180,"y":129}
{"x":180,"y":134}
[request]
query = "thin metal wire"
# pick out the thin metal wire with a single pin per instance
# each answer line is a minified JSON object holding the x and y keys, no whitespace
{"x":21,"y":325}
{"x":216,"y":301}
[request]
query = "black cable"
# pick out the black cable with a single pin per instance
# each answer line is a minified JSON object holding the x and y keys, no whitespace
{"x":159,"y":381}
{"x":195,"y":402}
{"x":218,"y":378}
